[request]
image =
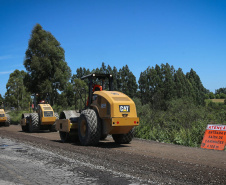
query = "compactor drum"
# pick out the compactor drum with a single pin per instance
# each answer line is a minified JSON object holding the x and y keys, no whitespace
{"x":106,"y":112}
{"x":43,"y":119}
{"x":4,"y":118}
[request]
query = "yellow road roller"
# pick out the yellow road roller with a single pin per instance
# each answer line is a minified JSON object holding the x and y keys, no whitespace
{"x":4,"y":118}
{"x":105,"y":112}
{"x":43,"y":119}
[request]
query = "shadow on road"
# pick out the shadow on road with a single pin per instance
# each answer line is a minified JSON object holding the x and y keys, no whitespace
{"x":40,"y":131}
{"x":102,"y":144}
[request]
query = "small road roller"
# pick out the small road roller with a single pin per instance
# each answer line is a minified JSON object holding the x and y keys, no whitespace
{"x":4,"y":118}
{"x":43,"y":119}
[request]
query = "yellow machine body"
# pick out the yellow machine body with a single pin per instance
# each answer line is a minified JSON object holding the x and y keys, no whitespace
{"x":23,"y":122}
{"x":116,"y":110}
{"x":46,"y":114}
{"x":3,"y":117}
{"x":63,"y":125}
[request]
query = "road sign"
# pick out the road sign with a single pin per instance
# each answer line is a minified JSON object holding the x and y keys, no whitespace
{"x":214,"y":137}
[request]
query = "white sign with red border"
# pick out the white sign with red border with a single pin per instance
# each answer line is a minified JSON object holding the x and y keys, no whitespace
{"x":216,"y":127}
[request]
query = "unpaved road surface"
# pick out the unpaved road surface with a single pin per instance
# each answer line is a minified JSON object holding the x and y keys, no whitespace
{"x":40,"y":158}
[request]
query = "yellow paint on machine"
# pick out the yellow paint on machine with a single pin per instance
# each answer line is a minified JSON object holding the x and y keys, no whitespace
{"x":117,"y":111}
{"x":119,"y":125}
{"x":48,"y":120}
{"x":115,"y":99}
{"x":23,"y":122}
{"x":3,"y":119}
{"x":123,"y":125}
{"x":63,"y":125}
{"x":125,"y":122}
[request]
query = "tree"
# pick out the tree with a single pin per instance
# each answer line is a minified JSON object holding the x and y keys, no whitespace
{"x":108,"y":70}
{"x":163,"y":83}
{"x":47,"y":70}
{"x":127,"y":82}
{"x":222,"y":95}
{"x":149,"y":84}
{"x":199,"y":90}
{"x":115,"y":78}
{"x":1,"y":101}
{"x":80,"y":72}
{"x":180,"y":84}
{"x":69,"y":94}
{"x":183,"y":86}
{"x":221,"y":90}
{"x":168,"y":82}
{"x":103,"y":69}
{"x":211,"y":95}
{"x":16,"y":94}
{"x":81,"y":93}
{"x":217,"y":96}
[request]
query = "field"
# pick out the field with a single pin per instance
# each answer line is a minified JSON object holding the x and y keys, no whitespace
{"x":217,"y":100}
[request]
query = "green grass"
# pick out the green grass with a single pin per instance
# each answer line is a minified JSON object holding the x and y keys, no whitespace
{"x":15,"y":116}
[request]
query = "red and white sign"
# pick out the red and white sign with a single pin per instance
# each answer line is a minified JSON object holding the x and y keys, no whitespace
{"x":214,"y":137}
{"x":216,"y":127}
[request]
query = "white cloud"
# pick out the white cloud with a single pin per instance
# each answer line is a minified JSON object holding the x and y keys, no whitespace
{"x":5,"y":57}
{"x":5,"y":72}
{"x":18,"y":65}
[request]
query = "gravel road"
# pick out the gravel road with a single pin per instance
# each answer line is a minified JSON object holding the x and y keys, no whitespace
{"x":40,"y":158}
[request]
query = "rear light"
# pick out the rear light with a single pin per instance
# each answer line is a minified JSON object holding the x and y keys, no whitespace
{"x":116,"y":122}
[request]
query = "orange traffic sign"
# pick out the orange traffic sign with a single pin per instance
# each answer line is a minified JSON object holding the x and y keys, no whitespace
{"x":214,"y":137}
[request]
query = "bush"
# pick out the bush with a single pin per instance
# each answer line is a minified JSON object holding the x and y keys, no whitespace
{"x":183,"y":122}
{"x":15,"y":116}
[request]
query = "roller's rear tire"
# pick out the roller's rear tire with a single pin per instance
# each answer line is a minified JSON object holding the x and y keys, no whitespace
{"x":103,"y":136}
{"x":33,"y":123}
{"x":123,"y":138}
{"x":89,"y":128}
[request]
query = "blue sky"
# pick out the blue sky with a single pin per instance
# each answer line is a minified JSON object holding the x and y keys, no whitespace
{"x":140,"y":33}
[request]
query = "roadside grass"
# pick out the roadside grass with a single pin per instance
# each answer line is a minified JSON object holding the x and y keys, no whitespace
{"x":15,"y":116}
{"x":183,"y":123}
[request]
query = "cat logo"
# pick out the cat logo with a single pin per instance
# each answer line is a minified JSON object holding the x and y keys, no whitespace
{"x":124,"y":108}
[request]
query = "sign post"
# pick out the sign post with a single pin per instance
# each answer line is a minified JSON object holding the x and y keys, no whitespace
{"x":214,"y":137}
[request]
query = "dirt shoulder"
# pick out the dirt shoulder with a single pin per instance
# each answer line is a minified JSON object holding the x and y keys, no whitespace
{"x":149,"y":161}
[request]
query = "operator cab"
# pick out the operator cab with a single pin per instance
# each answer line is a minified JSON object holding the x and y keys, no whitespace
{"x":104,"y":78}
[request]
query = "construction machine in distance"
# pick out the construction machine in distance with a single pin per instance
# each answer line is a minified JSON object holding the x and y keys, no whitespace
{"x":106,"y":112}
{"x":4,"y":118}
{"x":43,"y":119}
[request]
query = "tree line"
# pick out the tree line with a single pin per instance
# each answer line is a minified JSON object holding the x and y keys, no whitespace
{"x":156,"y":86}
